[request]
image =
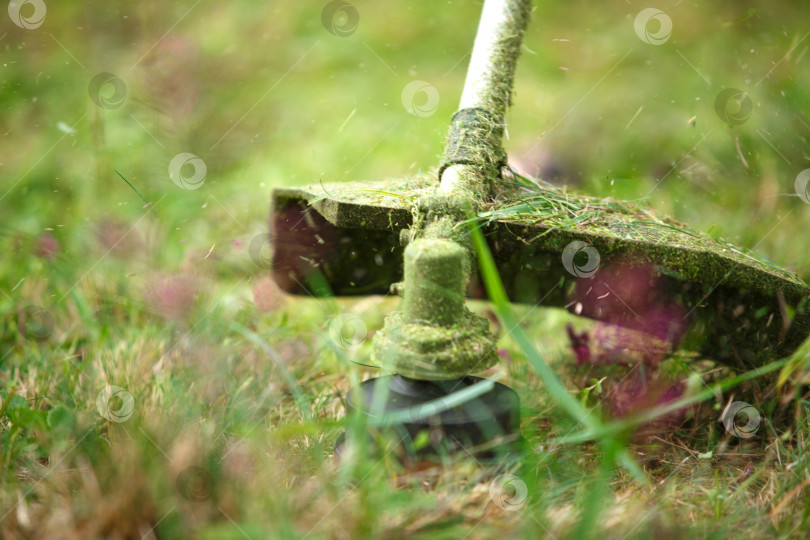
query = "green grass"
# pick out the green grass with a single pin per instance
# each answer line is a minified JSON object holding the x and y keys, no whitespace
{"x":237,"y":390}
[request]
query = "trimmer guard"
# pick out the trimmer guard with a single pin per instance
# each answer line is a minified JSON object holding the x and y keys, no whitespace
{"x":655,"y":275}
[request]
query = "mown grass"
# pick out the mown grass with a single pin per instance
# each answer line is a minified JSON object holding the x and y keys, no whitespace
{"x":237,"y":390}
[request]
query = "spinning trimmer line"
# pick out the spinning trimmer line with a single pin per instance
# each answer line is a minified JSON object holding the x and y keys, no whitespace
{"x":603,"y":259}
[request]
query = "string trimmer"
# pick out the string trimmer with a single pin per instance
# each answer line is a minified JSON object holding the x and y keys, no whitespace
{"x":607,"y":260}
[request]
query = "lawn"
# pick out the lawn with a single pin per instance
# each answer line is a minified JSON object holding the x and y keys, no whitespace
{"x":156,"y":383}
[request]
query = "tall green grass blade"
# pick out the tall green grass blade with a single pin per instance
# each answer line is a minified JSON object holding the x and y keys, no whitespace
{"x":555,"y":388}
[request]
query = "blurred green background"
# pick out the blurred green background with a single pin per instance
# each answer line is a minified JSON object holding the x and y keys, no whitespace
{"x":266,"y":96}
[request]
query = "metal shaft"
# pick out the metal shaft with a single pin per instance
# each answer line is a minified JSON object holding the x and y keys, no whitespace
{"x":491,"y":72}
{"x":474,"y":149}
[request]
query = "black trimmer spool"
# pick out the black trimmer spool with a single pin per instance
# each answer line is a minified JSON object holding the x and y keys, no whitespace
{"x":486,"y":427}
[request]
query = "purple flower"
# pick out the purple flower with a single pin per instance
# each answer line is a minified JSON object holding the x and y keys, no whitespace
{"x":172,"y":296}
{"x":47,"y":246}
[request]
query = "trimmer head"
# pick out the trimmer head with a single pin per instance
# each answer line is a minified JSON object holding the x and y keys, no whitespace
{"x":618,"y":264}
